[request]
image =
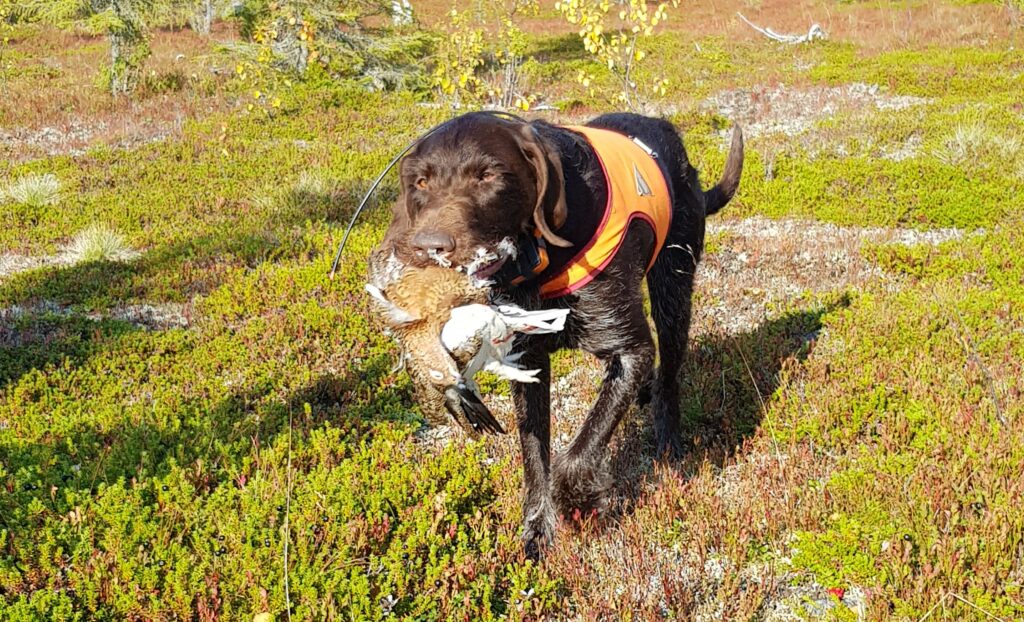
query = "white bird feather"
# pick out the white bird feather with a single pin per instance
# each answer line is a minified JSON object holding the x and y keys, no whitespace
{"x":489,"y":330}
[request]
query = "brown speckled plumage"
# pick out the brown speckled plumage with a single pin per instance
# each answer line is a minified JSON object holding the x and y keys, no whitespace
{"x":420,"y":302}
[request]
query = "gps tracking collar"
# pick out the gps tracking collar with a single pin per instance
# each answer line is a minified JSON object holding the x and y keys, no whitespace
{"x":530,"y":261}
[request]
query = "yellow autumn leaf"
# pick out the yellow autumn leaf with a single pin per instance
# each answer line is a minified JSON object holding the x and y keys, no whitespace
{"x":263,"y":617}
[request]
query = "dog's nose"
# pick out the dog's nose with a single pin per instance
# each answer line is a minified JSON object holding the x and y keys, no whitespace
{"x":433,"y":241}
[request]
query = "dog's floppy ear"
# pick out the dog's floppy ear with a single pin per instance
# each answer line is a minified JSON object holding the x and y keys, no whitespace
{"x":550,"y":212}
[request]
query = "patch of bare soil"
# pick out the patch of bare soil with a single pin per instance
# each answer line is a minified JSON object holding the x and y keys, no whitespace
{"x":74,"y":136}
{"x":11,"y":264}
{"x":757,"y":263}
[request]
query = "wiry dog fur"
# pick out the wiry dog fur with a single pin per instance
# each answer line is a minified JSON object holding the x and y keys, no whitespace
{"x":481,"y":181}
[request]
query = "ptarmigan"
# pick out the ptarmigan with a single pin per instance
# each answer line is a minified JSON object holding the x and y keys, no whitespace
{"x":448,"y":333}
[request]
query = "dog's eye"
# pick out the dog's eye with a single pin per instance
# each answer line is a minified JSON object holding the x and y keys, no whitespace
{"x":487,"y":175}
{"x":421,"y":183}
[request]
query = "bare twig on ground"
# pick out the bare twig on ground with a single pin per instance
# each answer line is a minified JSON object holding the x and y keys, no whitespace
{"x":948,"y":595}
{"x":814,"y":32}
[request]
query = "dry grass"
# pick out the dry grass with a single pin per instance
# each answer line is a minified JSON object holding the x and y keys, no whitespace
{"x":72,"y":114}
{"x":181,"y":82}
{"x":972,"y":140}
{"x":33,"y":190}
{"x":98,"y":243}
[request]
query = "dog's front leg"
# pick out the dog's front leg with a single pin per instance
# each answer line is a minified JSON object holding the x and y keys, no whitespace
{"x":581,"y":478}
{"x":533,"y":417}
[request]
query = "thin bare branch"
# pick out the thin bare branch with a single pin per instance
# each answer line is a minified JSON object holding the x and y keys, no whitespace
{"x":814,"y":32}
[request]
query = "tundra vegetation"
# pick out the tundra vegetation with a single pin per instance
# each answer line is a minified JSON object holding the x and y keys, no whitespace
{"x":184,"y":395}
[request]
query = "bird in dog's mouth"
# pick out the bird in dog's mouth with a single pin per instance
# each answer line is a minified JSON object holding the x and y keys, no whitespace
{"x":488,"y":262}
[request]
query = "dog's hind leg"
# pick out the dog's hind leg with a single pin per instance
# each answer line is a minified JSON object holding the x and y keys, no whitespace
{"x":670,"y":283}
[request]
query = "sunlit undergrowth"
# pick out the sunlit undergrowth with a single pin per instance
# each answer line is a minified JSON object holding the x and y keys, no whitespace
{"x":917,"y":400}
{"x":159,"y":461}
{"x":966,"y":73}
{"x":866,"y":439}
{"x":886,"y":463}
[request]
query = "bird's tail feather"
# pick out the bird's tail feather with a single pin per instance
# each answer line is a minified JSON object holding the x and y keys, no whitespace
{"x":460,"y":399}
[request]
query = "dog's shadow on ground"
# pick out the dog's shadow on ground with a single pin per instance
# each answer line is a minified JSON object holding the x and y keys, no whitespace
{"x":726,"y":383}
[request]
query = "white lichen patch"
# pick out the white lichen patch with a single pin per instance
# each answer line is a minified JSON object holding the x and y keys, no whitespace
{"x":791,"y":111}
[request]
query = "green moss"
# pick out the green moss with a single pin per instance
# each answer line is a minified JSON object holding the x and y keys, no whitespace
{"x":962,"y":72}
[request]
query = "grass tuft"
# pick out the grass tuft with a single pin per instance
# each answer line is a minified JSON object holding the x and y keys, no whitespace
{"x":973,"y":140}
{"x":99,"y":243}
{"x":33,"y":190}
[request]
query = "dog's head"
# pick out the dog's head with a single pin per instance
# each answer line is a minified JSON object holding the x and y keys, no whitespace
{"x":470,"y":189}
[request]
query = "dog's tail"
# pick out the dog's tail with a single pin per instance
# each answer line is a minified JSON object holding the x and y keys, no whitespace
{"x":716,"y":198}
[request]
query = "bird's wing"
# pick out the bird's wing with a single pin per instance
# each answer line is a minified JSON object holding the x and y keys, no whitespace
{"x":466,"y":335}
{"x":480,"y":337}
{"x":465,"y":323}
{"x":523,"y":321}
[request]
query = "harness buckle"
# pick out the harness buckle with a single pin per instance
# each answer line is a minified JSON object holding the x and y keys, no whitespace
{"x":643,"y":145}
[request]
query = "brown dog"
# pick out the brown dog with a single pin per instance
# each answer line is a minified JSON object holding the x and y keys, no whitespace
{"x":514,"y":203}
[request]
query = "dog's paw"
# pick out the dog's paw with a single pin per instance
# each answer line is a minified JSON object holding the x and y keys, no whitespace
{"x":538,"y":532}
{"x":580,"y":486}
{"x":667,"y":433}
{"x":670,"y":447}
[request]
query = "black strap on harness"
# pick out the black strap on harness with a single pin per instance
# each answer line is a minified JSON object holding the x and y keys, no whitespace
{"x":530,"y":261}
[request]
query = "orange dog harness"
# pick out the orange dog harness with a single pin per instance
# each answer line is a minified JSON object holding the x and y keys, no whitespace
{"x":636,"y":190}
